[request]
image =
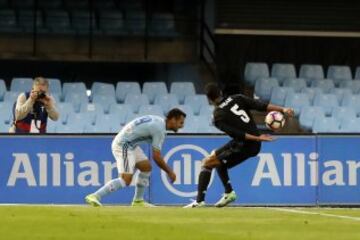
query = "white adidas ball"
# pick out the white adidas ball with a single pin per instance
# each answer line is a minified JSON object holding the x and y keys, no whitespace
{"x":275,"y":120}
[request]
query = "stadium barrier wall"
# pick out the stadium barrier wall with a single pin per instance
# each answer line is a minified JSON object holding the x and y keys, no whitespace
{"x":293,"y":170}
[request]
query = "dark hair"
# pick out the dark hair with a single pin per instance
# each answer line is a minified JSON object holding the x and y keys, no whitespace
{"x":175,"y":113}
{"x":212,"y":91}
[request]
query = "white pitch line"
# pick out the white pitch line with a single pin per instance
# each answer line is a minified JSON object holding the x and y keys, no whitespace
{"x":314,"y":213}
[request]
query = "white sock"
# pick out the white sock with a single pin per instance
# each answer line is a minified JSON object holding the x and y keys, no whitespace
{"x":142,"y":181}
{"x":110,"y":187}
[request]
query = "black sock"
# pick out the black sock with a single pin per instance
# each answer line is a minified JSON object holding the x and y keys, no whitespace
{"x":224,"y":176}
{"x":204,"y":179}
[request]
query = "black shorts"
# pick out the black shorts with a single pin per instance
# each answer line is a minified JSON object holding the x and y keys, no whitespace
{"x":234,"y":152}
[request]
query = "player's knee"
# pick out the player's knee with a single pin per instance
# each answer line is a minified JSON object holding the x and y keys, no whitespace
{"x":210,"y":162}
{"x":127,"y":178}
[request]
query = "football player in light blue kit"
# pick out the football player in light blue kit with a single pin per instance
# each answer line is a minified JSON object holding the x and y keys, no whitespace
{"x":129,"y":156}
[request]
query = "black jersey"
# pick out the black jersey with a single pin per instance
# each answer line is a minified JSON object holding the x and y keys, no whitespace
{"x":233,"y":116}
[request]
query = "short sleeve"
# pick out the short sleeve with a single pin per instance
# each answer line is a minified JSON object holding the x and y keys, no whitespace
{"x":252,"y":103}
{"x":158,"y":139}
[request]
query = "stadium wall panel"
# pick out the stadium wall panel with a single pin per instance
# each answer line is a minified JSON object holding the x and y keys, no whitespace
{"x":293,"y":170}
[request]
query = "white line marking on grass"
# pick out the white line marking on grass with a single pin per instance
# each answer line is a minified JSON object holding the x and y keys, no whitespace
{"x":314,"y":213}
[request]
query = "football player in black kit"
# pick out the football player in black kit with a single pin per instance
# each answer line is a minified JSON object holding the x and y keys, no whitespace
{"x":232,"y":116}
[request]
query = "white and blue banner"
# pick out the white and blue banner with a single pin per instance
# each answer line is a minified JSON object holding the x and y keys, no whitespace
{"x":293,"y":170}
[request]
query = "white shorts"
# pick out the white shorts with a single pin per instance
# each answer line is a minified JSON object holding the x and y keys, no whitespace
{"x":126,"y":157}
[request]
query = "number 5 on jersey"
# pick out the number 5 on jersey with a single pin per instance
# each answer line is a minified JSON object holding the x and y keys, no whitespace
{"x":241,"y":113}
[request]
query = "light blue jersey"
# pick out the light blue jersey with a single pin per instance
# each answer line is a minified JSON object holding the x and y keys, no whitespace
{"x":146,"y":129}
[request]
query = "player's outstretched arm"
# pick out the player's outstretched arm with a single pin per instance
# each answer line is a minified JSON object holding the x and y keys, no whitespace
{"x":161,"y":163}
{"x":287,"y":111}
{"x":261,"y":138}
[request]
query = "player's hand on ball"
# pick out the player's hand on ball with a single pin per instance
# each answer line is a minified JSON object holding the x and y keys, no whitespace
{"x":172,"y":176}
{"x":266,"y":138}
{"x":289,"y":112}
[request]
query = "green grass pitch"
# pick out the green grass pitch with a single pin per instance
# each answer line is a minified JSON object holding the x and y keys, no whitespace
{"x":126,"y":223}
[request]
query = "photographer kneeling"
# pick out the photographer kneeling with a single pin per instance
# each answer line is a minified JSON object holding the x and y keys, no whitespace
{"x":32,"y":109}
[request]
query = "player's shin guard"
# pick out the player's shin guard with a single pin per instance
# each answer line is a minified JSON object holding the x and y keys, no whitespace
{"x":142,"y":182}
{"x":222,"y":171}
{"x":204,"y":179}
{"x":109,"y":187}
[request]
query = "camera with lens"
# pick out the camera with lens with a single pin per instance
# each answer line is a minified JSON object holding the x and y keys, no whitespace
{"x":41,"y":94}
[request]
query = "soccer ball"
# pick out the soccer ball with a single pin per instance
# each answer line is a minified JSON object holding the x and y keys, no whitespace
{"x":275,"y":120}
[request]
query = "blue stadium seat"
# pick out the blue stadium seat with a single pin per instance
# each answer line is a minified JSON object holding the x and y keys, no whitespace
{"x":340,"y":113}
{"x":93,"y":110}
{"x":182,"y":89}
{"x":151,"y":110}
{"x":196,"y":101}
{"x":206,"y":110}
{"x":4,"y":128}
{"x":8,"y":21}
{"x":254,"y":71}
{"x":65,"y":109}
{"x":99,"y":88}
{"x":58,"y":22}
{"x":6,"y":112}
{"x":152,"y":89}
{"x":166,"y":101}
{"x":325,"y":84}
{"x":350,"y":125}
{"x":77,"y":100}
{"x":74,"y":88}
{"x":189,"y":127}
{"x":70,"y":128}
{"x":21,"y":84}
{"x":307,"y":116}
{"x":136,"y":100}
{"x":340,"y":93}
{"x":357,"y":73}
{"x":121,"y":111}
{"x":278,"y":95}
{"x":297,"y":84}
{"x":327,"y":101}
{"x":26,"y":20}
{"x":105,"y":100}
{"x":53,"y":126}
{"x":264,"y":86}
{"x":297,"y":101}
{"x":125,"y":88}
{"x":353,"y":85}
{"x":282,"y":71}
{"x":85,"y":119}
{"x":339,"y":73}
{"x":97,"y":129}
{"x":11,"y":97}
{"x":311,"y":72}
{"x":55,"y":86}
{"x":113,"y":121}
{"x":2,"y":89}
{"x":162,"y":25}
{"x":326,"y":125}
{"x":312,"y":92}
{"x":352,"y":101}
{"x":135,"y":22}
{"x":111,"y":22}
{"x":186,"y":109}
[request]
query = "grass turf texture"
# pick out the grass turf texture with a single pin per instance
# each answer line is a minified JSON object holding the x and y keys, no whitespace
{"x":72,"y":222}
